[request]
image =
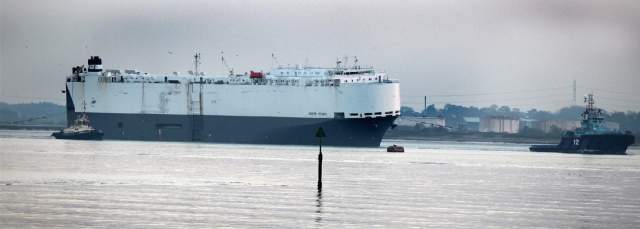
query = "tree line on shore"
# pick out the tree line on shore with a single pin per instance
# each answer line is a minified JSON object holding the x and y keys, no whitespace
{"x":454,"y":114}
{"x":43,"y":113}
{"x":54,"y":114}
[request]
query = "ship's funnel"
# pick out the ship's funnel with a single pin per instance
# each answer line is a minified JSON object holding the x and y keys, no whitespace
{"x":95,"y":64}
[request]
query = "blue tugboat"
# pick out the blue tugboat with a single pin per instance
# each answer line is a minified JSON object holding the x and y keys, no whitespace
{"x":80,"y":130}
{"x":592,"y":137}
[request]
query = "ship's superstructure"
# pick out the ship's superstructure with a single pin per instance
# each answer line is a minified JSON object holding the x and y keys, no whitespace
{"x":354,"y":105}
{"x":592,"y":121}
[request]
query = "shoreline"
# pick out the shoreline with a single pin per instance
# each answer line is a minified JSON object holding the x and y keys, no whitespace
{"x":31,"y":127}
{"x":476,"y":139}
{"x":532,"y":141}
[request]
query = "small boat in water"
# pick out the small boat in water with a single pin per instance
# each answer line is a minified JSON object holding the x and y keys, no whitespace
{"x":80,"y":130}
{"x":395,"y":149}
{"x":592,"y":137}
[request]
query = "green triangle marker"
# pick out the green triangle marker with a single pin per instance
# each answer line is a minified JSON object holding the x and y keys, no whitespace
{"x":320,"y":133}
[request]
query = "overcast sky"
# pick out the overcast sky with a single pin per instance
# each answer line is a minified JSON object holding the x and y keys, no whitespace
{"x":518,"y":53}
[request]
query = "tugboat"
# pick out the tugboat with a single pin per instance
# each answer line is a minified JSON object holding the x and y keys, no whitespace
{"x":592,"y":137}
{"x":395,"y":149}
{"x":80,"y":130}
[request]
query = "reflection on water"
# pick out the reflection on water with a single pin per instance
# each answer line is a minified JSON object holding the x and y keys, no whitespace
{"x":319,"y":207}
{"x":55,"y":183}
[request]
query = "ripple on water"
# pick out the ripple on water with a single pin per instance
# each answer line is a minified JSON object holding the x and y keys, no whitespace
{"x":51,"y":183}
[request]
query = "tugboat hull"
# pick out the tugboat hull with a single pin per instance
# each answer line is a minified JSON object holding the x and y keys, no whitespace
{"x":90,"y":135}
{"x":590,"y":144}
{"x":395,"y":149}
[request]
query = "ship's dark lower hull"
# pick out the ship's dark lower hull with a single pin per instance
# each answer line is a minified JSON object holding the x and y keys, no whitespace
{"x":89,"y":135}
{"x":367,"y":132}
{"x":590,"y":144}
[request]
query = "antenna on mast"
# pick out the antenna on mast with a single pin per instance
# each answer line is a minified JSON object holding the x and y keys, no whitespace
{"x":224,"y":62}
{"x":355,"y":62}
{"x":274,"y":60}
{"x":589,"y":100}
{"x":196,"y":63}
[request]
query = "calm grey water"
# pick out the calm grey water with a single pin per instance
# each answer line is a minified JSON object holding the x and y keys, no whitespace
{"x":52,"y":183}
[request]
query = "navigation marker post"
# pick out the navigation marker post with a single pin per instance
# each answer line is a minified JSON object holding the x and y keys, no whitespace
{"x":320,"y":134}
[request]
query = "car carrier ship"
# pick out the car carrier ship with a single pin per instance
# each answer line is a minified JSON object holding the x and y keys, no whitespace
{"x":354,"y":105}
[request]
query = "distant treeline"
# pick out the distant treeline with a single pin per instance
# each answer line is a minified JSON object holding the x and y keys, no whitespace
{"x":44,"y":113}
{"x":528,"y":135}
{"x":454,"y":114}
{"x":53,"y":114}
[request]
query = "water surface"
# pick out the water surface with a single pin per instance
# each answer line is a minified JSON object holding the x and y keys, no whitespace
{"x":50,"y":183}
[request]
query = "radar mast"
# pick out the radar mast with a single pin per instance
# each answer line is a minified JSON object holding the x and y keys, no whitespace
{"x":196,"y":63}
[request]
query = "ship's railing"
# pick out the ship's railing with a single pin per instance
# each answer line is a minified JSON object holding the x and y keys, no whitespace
{"x":274,"y":81}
